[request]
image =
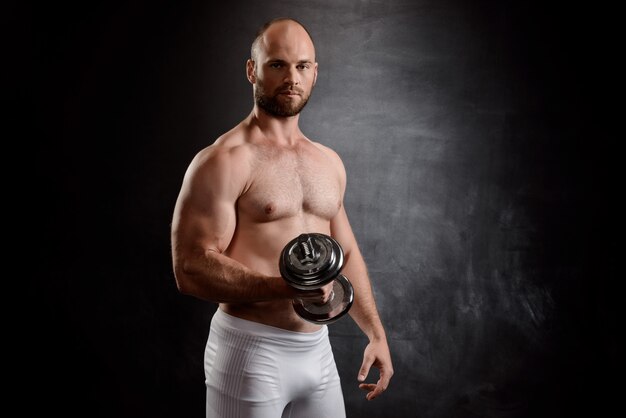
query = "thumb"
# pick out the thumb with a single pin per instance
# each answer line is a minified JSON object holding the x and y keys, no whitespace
{"x":364,"y":370}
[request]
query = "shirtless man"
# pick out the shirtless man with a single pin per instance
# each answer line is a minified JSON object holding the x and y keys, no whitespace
{"x":243,"y":198}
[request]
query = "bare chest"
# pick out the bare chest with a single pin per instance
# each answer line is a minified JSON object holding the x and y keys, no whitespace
{"x":291,"y":183}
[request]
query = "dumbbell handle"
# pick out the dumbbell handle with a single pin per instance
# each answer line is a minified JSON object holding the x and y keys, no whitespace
{"x":309,"y":253}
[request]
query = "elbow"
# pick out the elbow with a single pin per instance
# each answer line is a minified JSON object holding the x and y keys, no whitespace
{"x":195,"y":277}
{"x":182,"y":283}
{"x":192,"y":281}
{"x":184,"y":280}
{"x":183,"y":273}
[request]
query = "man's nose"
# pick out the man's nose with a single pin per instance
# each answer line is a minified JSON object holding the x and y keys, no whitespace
{"x":292,"y":76}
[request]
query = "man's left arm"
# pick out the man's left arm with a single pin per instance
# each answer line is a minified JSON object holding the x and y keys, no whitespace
{"x":364,"y":310}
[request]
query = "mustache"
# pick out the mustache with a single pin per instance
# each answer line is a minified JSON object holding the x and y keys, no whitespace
{"x":290,"y":89}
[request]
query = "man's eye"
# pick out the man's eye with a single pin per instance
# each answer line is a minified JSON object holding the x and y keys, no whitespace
{"x":275,"y":65}
{"x":302,"y":67}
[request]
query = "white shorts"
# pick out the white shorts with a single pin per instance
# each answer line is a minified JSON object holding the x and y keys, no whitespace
{"x":254,"y":370}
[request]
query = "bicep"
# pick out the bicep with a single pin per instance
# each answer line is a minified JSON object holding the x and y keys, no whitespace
{"x":206,"y":225}
{"x":204,"y":215}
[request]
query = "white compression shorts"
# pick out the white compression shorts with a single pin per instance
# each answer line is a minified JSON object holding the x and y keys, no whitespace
{"x":254,"y":370}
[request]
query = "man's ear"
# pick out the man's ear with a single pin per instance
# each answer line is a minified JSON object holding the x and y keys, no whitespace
{"x":250,"y":71}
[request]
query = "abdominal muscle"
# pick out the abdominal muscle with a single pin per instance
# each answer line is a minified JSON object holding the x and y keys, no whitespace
{"x":258,"y":246}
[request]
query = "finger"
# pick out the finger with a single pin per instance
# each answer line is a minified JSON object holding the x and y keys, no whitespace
{"x":385,"y":377}
{"x":311,"y":295}
{"x":364,"y":370}
{"x":373,"y":391}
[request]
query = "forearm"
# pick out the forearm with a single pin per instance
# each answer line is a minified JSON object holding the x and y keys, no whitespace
{"x":215,"y":277}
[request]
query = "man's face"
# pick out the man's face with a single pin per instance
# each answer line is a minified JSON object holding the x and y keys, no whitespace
{"x":285,"y":70}
{"x":284,"y":100}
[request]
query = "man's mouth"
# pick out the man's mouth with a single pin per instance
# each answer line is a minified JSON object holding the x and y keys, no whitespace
{"x":291,"y":92}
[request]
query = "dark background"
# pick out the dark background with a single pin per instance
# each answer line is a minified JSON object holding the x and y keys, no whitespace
{"x":478,"y":139}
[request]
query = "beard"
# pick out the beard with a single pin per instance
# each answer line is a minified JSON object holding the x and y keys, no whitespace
{"x":274,"y":106}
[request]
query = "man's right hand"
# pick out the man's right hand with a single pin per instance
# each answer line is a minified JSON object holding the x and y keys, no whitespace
{"x":320,"y":295}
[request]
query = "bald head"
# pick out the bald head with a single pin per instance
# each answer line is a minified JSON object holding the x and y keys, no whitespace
{"x":282,"y":67}
{"x":281,"y":33}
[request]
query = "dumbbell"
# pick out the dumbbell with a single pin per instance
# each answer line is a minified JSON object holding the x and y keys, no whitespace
{"x":311,"y":261}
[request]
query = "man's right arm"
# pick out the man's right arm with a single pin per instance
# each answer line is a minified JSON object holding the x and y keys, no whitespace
{"x":203,"y":225}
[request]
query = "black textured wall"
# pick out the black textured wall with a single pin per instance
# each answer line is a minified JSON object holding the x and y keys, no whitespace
{"x":476,"y":137}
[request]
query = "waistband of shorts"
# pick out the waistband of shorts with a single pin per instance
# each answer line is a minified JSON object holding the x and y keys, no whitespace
{"x":267,"y":331}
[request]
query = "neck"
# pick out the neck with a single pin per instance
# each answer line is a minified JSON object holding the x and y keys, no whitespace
{"x":280,"y":129}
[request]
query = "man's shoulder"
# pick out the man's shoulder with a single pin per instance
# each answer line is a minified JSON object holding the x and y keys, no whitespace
{"x":326,"y":149}
{"x":225,"y":154}
{"x":228,"y":141}
{"x":232,"y":144}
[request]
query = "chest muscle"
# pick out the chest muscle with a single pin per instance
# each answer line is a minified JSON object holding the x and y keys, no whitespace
{"x":290,"y":183}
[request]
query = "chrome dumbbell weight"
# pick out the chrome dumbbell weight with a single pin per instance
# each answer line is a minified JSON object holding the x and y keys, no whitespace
{"x":311,"y":261}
